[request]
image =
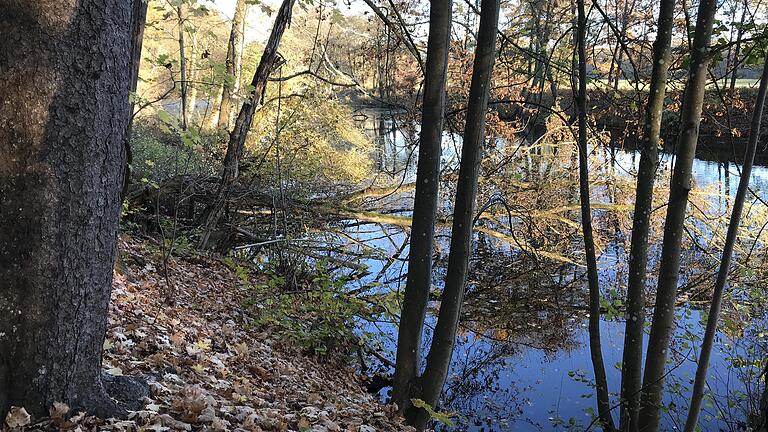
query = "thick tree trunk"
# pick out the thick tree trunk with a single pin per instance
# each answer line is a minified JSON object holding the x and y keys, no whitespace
{"x":425,"y":206}
{"x":631,"y":376}
{"x":725,"y":262}
{"x":64,"y":113}
{"x":595,"y":348}
{"x":269,"y":61}
{"x":444,"y":337}
{"x":234,"y":58}
{"x":138,"y":23}
{"x":666,"y":293}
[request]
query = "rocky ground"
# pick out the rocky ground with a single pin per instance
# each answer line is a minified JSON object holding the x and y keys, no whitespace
{"x":207,"y":368}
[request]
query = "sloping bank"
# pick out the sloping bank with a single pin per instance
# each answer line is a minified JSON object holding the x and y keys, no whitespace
{"x":208,"y":367}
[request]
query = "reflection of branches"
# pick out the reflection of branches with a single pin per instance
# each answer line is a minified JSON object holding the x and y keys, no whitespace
{"x":412,"y":147}
{"x":503,"y":203}
{"x":469,"y":370}
{"x":660,"y":379}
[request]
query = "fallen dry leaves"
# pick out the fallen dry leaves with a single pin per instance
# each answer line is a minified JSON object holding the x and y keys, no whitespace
{"x":208,"y":369}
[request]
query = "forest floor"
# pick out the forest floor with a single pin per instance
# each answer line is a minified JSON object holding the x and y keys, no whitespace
{"x":208,"y":368}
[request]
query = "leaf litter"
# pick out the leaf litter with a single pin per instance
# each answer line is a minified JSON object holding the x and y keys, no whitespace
{"x":207,"y":367}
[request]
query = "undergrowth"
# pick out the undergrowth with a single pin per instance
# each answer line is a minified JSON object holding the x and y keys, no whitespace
{"x":309,"y":308}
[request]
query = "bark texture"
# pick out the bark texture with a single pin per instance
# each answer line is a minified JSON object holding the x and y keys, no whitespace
{"x":419,"y":278}
{"x":631,"y":376}
{"x":666,"y":293}
{"x":444,"y":338}
{"x":63,"y":115}
{"x":595,"y":346}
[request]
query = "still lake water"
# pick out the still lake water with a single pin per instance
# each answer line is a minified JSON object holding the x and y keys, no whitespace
{"x":539,"y":376}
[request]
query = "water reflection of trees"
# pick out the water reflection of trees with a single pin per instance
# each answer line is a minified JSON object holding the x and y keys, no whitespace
{"x":529,"y":303}
{"x":526,"y":283}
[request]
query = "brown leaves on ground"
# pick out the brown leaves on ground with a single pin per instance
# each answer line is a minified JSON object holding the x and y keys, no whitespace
{"x":208,"y":369}
{"x":17,"y":417}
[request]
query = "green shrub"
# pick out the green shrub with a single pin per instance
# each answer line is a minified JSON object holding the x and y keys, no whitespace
{"x":319,"y":316}
{"x":161,"y":152}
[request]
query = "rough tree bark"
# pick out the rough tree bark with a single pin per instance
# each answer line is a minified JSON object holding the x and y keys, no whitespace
{"x":444,"y":337}
{"x":595,"y":348}
{"x":725,"y":262}
{"x":631,"y":376}
{"x":64,"y":113}
{"x":664,"y":311}
{"x":234,"y":57}
{"x":419,"y":278}
{"x":270,"y":60}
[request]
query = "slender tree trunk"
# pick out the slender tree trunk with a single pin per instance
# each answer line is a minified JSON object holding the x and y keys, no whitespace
{"x":181,"y":15}
{"x":762,"y":422}
{"x":270,"y":60}
{"x":618,"y":72}
{"x":138,"y":23}
{"x":725,"y":262}
{"x":622,"y":37}
{"x":601,"y":383}
{"x":573,"y":77}
{"x":192,"y":76}
{"x":729,"y":60}
{"x":662,"y":326}
{"x":631,"y":376}
{"x":62,"y":124}
{"x":737,"y":48}
{"x":234,"y":58}
{"x":444,"y":337}
{"x":419,"y":278}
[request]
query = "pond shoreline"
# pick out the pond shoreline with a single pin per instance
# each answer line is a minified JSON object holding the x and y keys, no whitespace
{"x":716,"y":143}
{"x":210,"y":366}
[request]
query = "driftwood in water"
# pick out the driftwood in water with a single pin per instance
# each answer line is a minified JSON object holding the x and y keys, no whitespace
{"x":382,"y":192}
{"x":186,"y":197}
{"x":405,"y":221}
